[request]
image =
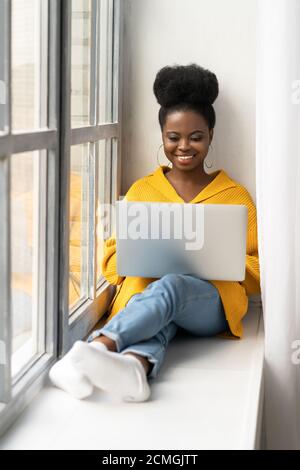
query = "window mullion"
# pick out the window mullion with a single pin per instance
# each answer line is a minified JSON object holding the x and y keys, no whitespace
{"x":31,"y":141}
{"x":94,"y":64}
{"x":5,"y":271}
{"x":114,"y":171}
{"x":5,"y":48}
{"x":53,"y":189}
{"x":109,"y":102}
{"x":109,"y":181}
{"x":118,"y":89}
{"x":42,"y":52}
{"x":81,"y":135}
{"x":5,"y":299}
{"x":65,"y":132}
{"x":116,"y":60}
{"x":93,"y":153}
{"x":92,"y":175}
{"x":86,"y":190}
{"x":109,"y":75}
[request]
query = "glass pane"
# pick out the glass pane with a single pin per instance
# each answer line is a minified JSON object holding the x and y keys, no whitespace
{"x":80,"y":66}
{"x":3,"y":71}
{"x":28,"y":222}
{"x":106,"y":61}
{"x":29,"y":64}
{"x":116,"y":60}
{"x":114,"y":172}
{"x":103,"y":211}
{"x":78,"y":250}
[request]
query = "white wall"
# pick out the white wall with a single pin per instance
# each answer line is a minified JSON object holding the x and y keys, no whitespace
{"x":217,"y":34}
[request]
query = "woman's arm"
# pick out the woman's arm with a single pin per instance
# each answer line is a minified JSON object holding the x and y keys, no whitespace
{"x":252,"y":279}
{"x":109,"y":262}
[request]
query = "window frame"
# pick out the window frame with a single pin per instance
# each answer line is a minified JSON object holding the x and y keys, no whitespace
{"x":56,"y":140}
{"x":87,"y":313}
{"x":13,"y":398}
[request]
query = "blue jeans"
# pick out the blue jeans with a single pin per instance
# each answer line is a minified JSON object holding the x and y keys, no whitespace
{"x":150,"y":319}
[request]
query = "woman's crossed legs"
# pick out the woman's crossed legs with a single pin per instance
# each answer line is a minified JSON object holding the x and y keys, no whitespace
{"x":119,"y":356}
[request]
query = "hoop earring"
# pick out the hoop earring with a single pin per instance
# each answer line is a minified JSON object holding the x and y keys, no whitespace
{"x":157,"y":156}
{"x":207,"y":166}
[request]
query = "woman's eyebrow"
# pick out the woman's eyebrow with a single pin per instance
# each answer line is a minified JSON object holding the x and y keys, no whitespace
{"x":199,"y":131}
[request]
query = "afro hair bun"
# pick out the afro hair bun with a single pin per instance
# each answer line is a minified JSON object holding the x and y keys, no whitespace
{"x":189,"y":84}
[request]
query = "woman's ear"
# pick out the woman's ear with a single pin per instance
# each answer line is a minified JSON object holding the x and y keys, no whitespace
{"x":211,"y":134}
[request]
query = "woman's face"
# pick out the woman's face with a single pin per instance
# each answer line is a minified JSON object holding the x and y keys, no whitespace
{"x":186,"y":134}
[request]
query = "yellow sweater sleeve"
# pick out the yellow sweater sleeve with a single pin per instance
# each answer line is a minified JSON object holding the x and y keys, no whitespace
{"x":252,"y":279}
{"x":109,"y":262}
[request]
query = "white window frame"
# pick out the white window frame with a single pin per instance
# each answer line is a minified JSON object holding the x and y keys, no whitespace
{"x":61,"y":328}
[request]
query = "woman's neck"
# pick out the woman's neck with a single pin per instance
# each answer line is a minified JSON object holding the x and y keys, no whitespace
{"x":195,"y":176}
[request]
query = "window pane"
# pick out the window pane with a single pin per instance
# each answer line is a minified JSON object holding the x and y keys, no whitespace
{"x":29,"y":64}
{"x":103,"y":212}
{"x":114,"y":172}
{"x":106,"y":61}
{"x":80,"y":72}
{"x":116,"y":62}
{"x":78,"y":288}
{"x":28,"y":222}
{"x":3,"y":51}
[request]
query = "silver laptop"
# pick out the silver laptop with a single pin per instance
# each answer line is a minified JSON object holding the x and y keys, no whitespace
{"x":205,"y":240}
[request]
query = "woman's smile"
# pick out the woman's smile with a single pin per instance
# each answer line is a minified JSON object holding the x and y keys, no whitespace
{"x":185,"y":159}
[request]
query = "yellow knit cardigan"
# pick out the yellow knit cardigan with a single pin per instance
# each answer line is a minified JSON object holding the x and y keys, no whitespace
{"x":155,"y":187}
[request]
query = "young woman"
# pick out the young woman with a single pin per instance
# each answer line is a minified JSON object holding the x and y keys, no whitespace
{"x":145,"y":314}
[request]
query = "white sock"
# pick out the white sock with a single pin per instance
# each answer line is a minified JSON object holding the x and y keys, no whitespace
{"x":98,"y":345}
{"x":65,"y":376}
{"x":121,"y":375}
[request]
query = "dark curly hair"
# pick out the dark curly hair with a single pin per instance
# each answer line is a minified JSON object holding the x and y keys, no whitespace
{"x":186,"y":87}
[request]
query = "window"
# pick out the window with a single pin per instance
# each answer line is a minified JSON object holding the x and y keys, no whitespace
{"x":59,"y":167}
{"x":3,"y":67}
{"x":29,"y":63}
{"x":28,"y":256}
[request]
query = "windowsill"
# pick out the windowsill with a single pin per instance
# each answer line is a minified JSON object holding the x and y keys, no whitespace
{"x":208,"y":395}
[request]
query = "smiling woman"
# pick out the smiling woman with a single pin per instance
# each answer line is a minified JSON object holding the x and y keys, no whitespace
{"x":145,"y":313}
{"x":186,"y":137}
{"x":186,"y":140}
{"x":187,"y":121}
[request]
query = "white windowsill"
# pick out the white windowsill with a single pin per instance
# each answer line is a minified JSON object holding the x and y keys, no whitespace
{"x":208,"y":395}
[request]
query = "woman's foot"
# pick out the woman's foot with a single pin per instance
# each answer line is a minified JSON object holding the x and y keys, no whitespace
{"x":111,"y":346}
{"x":65,"y":376}
{"x":121,"y":375}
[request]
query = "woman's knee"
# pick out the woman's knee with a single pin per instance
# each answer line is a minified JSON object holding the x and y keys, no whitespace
{"x":166,"y":282}
{"x":172,"y":285}
{"x":187,"y":284}
{"x":171,"y":278}
{"x":180,"y":288}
